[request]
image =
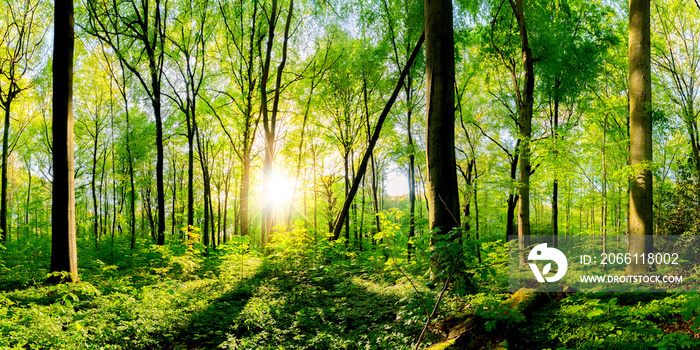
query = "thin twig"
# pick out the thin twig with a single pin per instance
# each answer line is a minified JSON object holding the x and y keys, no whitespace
{"x":437,"y":303}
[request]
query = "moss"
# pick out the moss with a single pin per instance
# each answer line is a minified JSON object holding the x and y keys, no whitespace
{"x":446,"y":345}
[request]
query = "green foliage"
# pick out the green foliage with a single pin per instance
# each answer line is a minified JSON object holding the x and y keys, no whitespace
{"x":292,"y":247}
{"x":495,"y":313}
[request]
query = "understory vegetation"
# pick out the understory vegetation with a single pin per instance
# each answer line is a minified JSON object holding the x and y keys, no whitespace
{"x":303,"y":294}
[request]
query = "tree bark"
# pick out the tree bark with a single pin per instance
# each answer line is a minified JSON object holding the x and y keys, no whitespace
{"x":525,"y":105}
{"x":5,"y":151}
{"x":555,"y":184}
{"x":443,"y":194}
{"x":641,"y":201}
{"x":64,"y":256}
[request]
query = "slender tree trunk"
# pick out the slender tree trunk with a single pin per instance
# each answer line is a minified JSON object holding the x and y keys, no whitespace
{"x":362,"y":215}
{"x":375,"y":198}
{"x":132,"y":194}
{"x":604,"y":207}
{"x":411,"y":167}
{"x":226,"y":191}
{"x":476,"y":213}
{"x":213,"y":223}
{"x":313,"y":154}
{"x":346,"y":156}
{"x":512,"y":197}
{"x":269,"y":122}
{"x":641,"y":202}
{"x":300,"y":151}
{"x":525,"y":105}
{"x":5,"y":151}
{"x":190,"y":176}
{"x":555,"y":184}
{"x":244,"y":194}
{"x":64,"y":256}
{"x":95,"y":217}
{"x":174,"y":205}
{"x":130,"y":162}
{"x":29,"y":194}
{"x":104,"y":215}
{"x":568,"y":210}
{"x":201,"y":149}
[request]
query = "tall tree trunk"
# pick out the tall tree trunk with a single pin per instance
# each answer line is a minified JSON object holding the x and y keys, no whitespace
{"x":211,"y":211}
{"x":555,"y":184}
{"x":226,"y":192}
{"x":174,"y":205}
{"x":476,"y":213}
{"x":270,"y":122}
{"x":159,"y":167}
{"x":346,"y":155}
{"x":411,"y":167}
{"x":64,"y":254}
{"x":300,"y":151}
{"x":190,"y":175}
{"x":95,"y":217}
{"x":132,"y":193}
{"x":130,"y":161}
{"x":443,"y":194}
{"x":362,"y":215}
{"x":244,"y":194}
{"x":201,"y":149}
{"x":314,"y":158}
{"x":375,"y":198}
{"x":5,"y":151}
{"x":29,"y":194}
{"x":641,"y":201}
{"x":525,"y":105}
{"x":604,"y":207}
{"x":512,"y":197}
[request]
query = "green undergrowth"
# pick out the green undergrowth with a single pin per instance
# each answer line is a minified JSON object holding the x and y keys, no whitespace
{"x":304,"y":294}
{"x":174,"y":297}
{"x":577,"y":321}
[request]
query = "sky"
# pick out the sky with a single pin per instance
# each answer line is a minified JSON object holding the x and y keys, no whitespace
{"x":396,"y":184}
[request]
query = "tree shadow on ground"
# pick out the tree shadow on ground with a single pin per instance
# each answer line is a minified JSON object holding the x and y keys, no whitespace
{"x":315,"y":308}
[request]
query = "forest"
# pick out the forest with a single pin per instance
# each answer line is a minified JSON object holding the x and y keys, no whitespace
{"x":344,"y":174}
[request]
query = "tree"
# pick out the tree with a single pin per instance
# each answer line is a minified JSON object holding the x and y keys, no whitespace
{"x":123,"y":92}
{"x":64,"y":254}
{"x":188,"y":43}
{"x":522,"y":86}
{"x":525,"y":99}
{"x":269,"y":116}
{"x":142,"y":24}
{"x":20,"y":40}
{"x":343,"y":106}
{"x":241,"y":49}
{"x":373,"y":140}
{"x":571,"y":38}
{"x":677,"y":56}
{"x":641,"y":201}
{"x":443,"y":196}
{"x":409,"y":12}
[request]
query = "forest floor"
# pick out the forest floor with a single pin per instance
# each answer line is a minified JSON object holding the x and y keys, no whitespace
{"x":162,"y":298}
{"x":173,"y":298}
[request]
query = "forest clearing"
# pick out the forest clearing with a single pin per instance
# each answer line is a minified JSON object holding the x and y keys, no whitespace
{"x":349,"y":174}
